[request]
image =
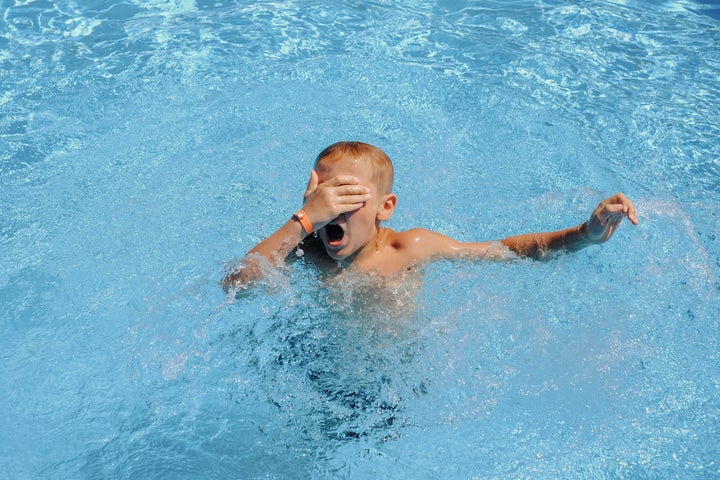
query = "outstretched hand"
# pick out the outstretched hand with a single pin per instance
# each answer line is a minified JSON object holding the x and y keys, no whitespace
{"x":327,"y":200}
{"x":607,"y":216}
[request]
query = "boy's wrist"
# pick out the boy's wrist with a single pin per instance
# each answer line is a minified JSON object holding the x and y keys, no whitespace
{"x":582,"y":233}
{"x":574,"y":238}
{"x":304,"y":221}
{"x":582,"y":229}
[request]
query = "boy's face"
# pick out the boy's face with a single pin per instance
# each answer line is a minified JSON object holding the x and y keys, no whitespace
{"x":350,"y":232}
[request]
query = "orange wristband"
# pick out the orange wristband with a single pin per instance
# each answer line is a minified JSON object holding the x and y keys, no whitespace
{"x":305,"y":222}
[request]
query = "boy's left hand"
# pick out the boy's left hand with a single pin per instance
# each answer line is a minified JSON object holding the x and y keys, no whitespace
{"x":607,"y":216}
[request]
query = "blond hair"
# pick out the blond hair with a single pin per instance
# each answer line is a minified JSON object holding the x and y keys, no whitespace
{"x":382,"y":167}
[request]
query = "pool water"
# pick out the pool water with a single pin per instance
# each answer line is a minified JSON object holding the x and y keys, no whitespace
{"x":145,"y":146}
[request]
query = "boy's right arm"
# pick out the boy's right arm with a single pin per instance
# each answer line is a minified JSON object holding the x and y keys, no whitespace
{"x":323,"y":203}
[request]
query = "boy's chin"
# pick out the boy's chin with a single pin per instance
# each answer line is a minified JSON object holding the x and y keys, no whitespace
{"x":337,"y":254}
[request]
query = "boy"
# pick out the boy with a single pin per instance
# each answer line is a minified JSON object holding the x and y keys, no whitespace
{"x":350,"y":193}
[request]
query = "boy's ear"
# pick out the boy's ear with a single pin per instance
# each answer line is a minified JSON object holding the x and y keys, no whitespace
{"x":387,"y":207}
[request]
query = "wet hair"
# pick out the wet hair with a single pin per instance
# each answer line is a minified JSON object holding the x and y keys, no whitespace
{"x":378,"y":160}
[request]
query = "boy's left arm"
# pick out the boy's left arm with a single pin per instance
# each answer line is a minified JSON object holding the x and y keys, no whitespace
{"x":418,"y":244}
{"x":597,"y":229}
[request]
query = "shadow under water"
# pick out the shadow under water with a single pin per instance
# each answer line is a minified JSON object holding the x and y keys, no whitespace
{"x":335,"y":355}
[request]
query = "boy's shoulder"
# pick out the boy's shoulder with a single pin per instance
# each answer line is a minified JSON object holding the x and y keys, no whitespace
{"x":418,"y":243}
{"x":414,"y":235}
{"x":399,"y":239}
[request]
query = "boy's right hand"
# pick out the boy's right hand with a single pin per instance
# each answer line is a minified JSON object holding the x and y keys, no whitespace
{"x":327,"y":200}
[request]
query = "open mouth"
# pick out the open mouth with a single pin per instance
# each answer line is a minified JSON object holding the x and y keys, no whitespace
{"x":334,"y":233}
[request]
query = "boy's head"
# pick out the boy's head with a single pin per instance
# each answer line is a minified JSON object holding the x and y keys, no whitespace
{"x":351,"y":232}
{"x":375,"y":159}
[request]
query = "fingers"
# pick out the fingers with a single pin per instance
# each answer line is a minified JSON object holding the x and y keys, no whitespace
{"x":345,"y":189}
{"x":348,"y":198}
{"x":346,"y":208}
{"x":608,"y":215}
{"x":332,"y":197}
{"x":352,"y":194}
{"x":341,"y":189}
{"x":632,"y":213}
{"x":620,"y":206}
{"x":341,"y":180}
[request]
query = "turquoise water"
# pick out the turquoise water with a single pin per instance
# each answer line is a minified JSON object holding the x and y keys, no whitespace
{"x":145,"y":146}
